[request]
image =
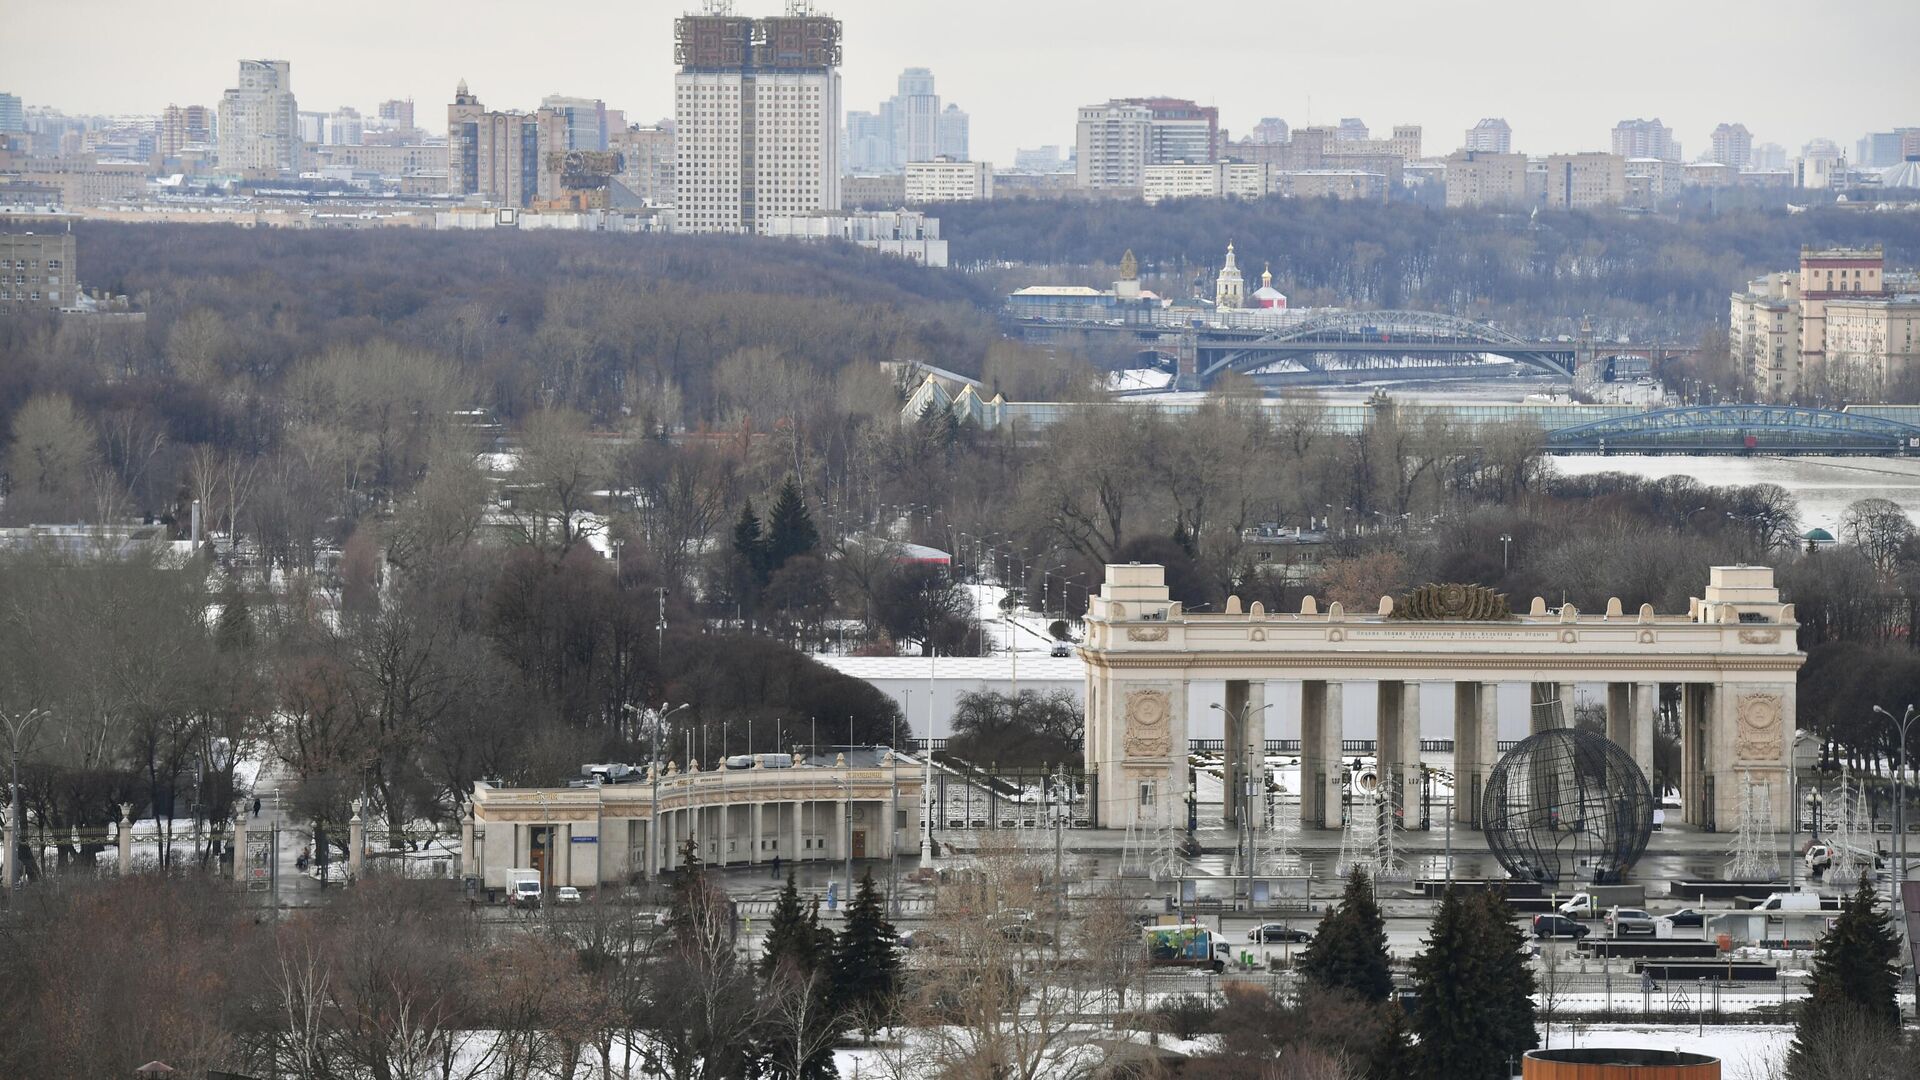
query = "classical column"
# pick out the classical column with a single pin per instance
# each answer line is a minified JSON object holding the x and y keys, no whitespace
{"x":1321,"y":725}
{"x":839,"y":845}
{"x":1697,"y":707}
{"x":522,"y":855}
{"x":11,"y":850}
{"x":562,"y":842}
{"x":124,"y":834}
{"x":1476,"y":734}
{"x":1645,"y":706}
{"x":753,"y":854}
{"x":1549,"y":707}
{"x":1397,"y":742}
{"x":796,"y":848}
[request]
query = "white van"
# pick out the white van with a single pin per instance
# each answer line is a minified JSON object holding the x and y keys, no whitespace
{"x":1789,"y":901}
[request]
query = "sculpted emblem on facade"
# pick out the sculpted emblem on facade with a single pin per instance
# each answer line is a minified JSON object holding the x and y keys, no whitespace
{"x":1475,"y":603}
{"x":1147,"y":729}
{"x":1757,"y":734}
{"x":1759,"y":637}
{"x":1146,"y":633}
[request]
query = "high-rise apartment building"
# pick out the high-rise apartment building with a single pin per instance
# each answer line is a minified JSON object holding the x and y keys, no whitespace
{"x":1113,"y":142}
{"x":346,"y":127}
{"x":259,"y":125}
{"x":495,"y":155}
{"x":1585,"y":181}
{"x":182,"y":126}
{"x":1270,"y":131}
{"x":1405,"y":142}
{"x":952,"y":138}
{"x":397,"y":114}
{"x":1486,"y":178}
{"x":1352,"y":128}
{"x":869,"y":142}
{"x":1768,"y":157}
{"x":13,"y":116}
{"x":1645,"y":139}
{"x":586,"y":120}
{"x":756,"y":120}
{"x":1490,"y":136}
{"x":1732,"y":146}
{"x":916,"y":117}
{"x":1117,"y":140}
{"x":646,"y":161}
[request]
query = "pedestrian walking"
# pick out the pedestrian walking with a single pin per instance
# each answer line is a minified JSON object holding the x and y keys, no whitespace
{"x":776,"y":867}
{"x":256,"y":806}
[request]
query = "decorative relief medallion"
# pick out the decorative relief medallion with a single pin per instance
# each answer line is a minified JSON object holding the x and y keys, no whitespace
{"x":1336,"y":635}
{"x":1146,"y":633}
{"x":1433,"y":602}
{"x":1759,"y":637}
{"x":1148,"y":733}
{"x":1757,"y":735}
{"x":1568,"y":637}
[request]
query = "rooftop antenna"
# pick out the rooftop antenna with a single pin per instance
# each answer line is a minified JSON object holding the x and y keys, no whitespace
{"x":800,"y":9}
{"x":716,"y":7}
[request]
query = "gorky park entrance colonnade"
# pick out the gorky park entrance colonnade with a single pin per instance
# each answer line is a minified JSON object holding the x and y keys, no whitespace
{"x":1733,"y":656}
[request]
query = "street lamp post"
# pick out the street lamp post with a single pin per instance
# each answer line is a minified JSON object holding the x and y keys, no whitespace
{"x":1900,"y":819}
{"x":1244,"y":794}
{"x":17,"y":728}
{"x":616,"y":543}
{"x":653,"y":818}
{"x":1506,"y":540}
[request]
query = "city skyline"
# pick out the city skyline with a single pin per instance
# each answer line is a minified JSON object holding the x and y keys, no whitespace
{"x":1317,"y":67}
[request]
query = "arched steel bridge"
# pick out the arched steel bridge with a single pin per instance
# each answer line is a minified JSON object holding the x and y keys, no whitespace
{"x":1733,"y":429}
{"x":1406,"y":333}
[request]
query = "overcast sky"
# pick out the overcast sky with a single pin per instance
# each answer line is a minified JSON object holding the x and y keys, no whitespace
{"x":1790,"y":72}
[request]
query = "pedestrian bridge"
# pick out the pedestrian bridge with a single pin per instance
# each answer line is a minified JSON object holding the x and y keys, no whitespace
{"x":1394,"y":333}
{"x":1739,"y":429}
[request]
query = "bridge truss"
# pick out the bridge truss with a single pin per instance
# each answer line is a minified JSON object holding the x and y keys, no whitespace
{"x":1410,"y":333}
{"x":1767,"y":429}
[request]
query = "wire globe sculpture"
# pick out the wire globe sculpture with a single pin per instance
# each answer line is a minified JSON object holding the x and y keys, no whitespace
{"x":1567,"y":804}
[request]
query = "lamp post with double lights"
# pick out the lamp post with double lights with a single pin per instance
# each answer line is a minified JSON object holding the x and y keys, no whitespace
{"x":18,"y":726}
{"x":660,"y":716}
{"x":1244,"y":794}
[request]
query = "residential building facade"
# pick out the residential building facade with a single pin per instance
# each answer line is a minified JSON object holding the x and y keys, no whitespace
{"x":1732,"y":146}
{"x":182,"y":126}
{"x":1586,"y":181}
{"x":1645,"y":139}
{"x":1490,"y":136}
{"x":1830,"y":330}
{"x":259,"y":125}
{"x":1486,"y":178}
{"x":1114,"y":143}
{"x":37,"y":272}
{"x":943,"y":180}
{"x":646,"y":161}
{"x":494,"y":155}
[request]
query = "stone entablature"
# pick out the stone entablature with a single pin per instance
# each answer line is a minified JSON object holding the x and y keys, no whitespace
{"x":1734,"y":654}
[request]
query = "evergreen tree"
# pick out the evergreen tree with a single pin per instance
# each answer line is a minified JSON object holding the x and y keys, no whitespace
{"x":866,"y":960}
{"x":750,"y":544}
{"x":1349,"y":952}
{"x":1475,"y":1009}
{"x":1855,"y":977}
{"x":790,"y":528}
{"x":795,"y":935}
{"x":233,"y":631}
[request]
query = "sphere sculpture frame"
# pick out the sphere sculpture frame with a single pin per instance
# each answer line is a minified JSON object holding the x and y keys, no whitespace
{"x":1567,"y":803}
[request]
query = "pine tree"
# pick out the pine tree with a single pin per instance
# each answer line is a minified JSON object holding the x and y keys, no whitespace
{"x":1855,"y":978}
{"x":1475,"y":1008}
{"x":790,"y":530}
{"x":1349,"y":952}
{"x":866,"y":960}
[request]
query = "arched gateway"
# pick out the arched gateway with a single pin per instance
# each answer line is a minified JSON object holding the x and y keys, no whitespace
{"x":1733,"y":656}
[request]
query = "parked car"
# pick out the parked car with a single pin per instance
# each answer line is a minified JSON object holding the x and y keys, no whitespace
{"x":1627,"y":922}
{"x":1687,"y":916}
{"x":566,"y":894}
{"x":1277,"y":932}
{"x":1063,"y":648}
{"x":1559,"y":926}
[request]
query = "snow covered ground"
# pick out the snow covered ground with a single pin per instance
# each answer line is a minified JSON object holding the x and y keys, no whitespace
{"x":1746,"y":1051}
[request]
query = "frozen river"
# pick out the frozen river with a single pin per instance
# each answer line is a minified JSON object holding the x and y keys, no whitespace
{"x":1824,"y":485}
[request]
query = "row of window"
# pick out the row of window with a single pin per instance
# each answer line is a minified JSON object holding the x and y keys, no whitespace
{"x":53,"y":295}
{"x":27,"y":264}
